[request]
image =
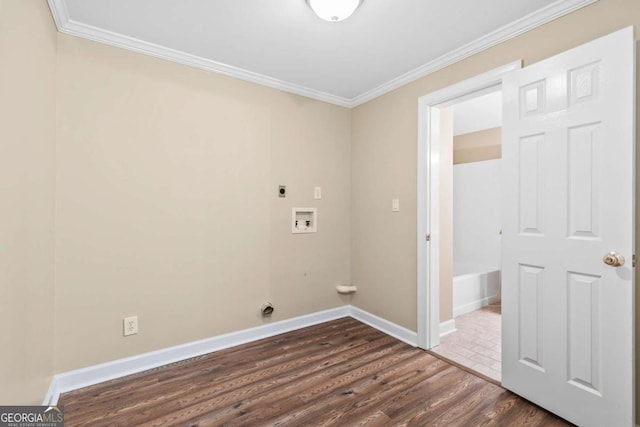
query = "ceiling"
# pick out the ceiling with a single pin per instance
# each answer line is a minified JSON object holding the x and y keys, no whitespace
{"x":282,"y":44}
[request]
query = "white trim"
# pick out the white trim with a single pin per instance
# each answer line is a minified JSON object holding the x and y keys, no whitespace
{"x":389,"y":328}
{"x":428,"y":225}
{"x":447,"y":327}
{"x":475,"y":305}
{"x":553,"y":11}
{"x":527,"y":23}
{"x":68,"y":26}
{"x":85,"y":377}
{"x":59,"y":13}
{"x":428,"y":194}
{"x":51,"y":398}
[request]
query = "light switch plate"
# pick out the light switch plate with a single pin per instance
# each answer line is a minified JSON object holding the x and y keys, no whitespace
{"x":395,"y":205}
{"x":317,"y":193}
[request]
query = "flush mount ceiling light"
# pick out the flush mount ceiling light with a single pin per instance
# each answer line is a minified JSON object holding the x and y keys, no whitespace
{"x":334,"y":10}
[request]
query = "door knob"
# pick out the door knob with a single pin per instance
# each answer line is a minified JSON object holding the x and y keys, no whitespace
{"x":613,"y":259}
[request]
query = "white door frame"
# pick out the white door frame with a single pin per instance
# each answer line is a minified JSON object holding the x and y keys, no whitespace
{"x":429,"y":193}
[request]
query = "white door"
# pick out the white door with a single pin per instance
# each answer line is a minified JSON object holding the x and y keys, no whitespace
{"x":568,"y":163}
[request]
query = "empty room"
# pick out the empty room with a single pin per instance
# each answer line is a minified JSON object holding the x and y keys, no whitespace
{"x":296,"y":212}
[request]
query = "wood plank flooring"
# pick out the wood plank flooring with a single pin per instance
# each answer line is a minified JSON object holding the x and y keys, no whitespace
{"x":339,"y":373}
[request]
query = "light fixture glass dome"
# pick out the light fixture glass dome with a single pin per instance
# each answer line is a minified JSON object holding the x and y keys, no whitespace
{"x":334,"y":10}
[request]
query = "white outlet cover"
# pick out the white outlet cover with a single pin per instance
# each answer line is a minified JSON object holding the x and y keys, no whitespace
{"x":317,"y":193}
{"x":130,"y":325}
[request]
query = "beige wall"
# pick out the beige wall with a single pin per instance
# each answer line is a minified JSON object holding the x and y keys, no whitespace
{"x":165,"y":200}
{"x":27,"y":131}
{"x":384,"y":156}
{"x":477,"y":146}
{"x":167,"y":203}
{"x":384,"y":147}
{"x":446,"y":213}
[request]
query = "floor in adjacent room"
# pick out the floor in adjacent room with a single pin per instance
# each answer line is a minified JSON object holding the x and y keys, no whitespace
{"x":476,"y":343}
{"x":341,"y":372}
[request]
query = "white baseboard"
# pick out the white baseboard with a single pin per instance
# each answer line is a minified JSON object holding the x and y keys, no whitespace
{"x":85,"y":377}
{"x":474,"y":305}
{"x":389,"y":328}
{"x":73,"y":380}
{"x":447,"y":327}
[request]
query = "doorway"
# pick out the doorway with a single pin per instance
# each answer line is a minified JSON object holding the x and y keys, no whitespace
{"x":568,"y":300}
{"x":430,"y":110}
{"x":470,"y":208}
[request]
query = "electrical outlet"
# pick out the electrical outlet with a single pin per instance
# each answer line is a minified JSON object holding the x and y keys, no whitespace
{"x":130,"y":325}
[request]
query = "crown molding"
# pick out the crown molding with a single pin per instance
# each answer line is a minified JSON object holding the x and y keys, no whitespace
{"x":533,"y":20}
{"x":68,"y":26}
{"x":555,"y":10}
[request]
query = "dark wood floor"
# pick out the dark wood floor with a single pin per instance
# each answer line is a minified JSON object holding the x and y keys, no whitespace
{"x":340,"y":373}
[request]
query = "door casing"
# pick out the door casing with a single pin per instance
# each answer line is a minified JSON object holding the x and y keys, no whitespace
{"x":428,"y":274}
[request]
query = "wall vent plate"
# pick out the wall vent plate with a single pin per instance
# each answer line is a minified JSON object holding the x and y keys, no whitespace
{"x":304,"y":220}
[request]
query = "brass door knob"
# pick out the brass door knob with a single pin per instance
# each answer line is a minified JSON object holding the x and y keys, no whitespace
{"x":613,"y":259}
